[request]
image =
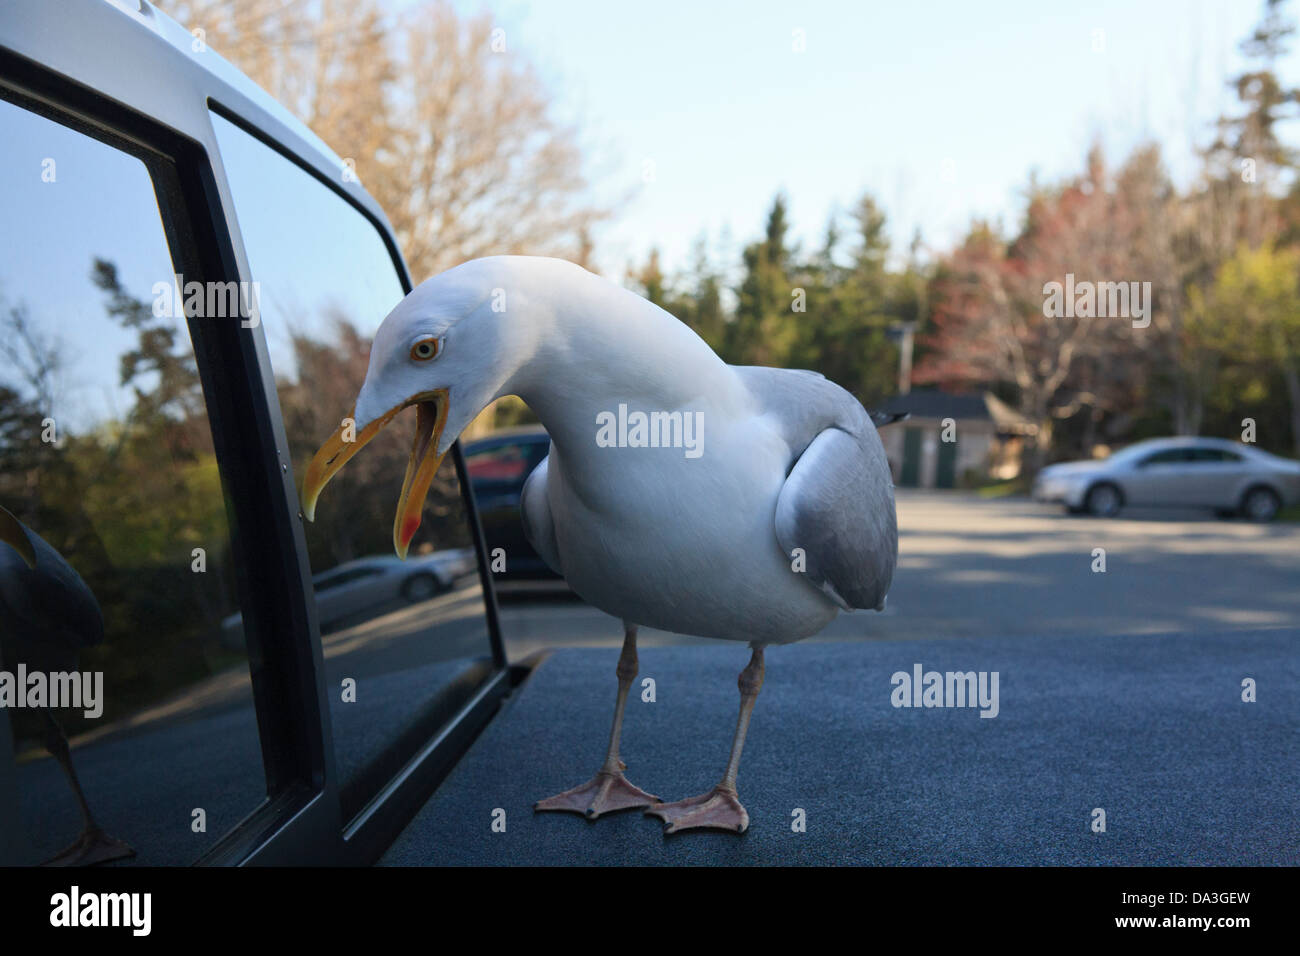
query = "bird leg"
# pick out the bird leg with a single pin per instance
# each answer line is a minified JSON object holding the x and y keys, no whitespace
{"x":94,"y":845}
{"x":720,"y":808}
{"x":609,"y":790}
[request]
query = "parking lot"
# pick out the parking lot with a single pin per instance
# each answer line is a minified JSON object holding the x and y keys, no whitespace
{"x":1121,"y":700}
{"x":970,"y":567}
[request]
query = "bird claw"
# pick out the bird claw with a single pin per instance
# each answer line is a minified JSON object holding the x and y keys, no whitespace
{"x":93,"y":846}
{"x":604,"y":793}
{"x":719,"y":809}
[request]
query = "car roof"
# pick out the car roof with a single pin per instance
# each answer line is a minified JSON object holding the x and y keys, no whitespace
{"x":1187,"y":441}
{"x":143,"y":58}
{"x":503,"y":436}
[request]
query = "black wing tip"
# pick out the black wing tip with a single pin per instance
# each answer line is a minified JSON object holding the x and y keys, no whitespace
{"x":881,"y":419}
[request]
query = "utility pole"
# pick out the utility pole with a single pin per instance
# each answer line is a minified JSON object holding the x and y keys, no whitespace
{"x":903,"y":333}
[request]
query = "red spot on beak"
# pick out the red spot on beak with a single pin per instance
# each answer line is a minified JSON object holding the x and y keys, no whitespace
{"x":408,"y":530}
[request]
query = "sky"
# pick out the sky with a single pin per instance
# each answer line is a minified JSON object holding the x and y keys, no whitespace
{"x":940,"y":110}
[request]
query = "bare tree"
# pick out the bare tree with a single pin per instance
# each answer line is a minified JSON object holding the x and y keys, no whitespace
{"x":35,"y":358}
{"x":449,"y":127}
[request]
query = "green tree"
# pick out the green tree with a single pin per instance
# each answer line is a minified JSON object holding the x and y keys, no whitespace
{"x":766,"y":327}
{"x":1248,"y":323}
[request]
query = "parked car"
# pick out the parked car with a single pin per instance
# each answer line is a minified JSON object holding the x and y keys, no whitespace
{"x":370,"y":583}
{"x":498,"y":465}
{"x":1226,"y":476}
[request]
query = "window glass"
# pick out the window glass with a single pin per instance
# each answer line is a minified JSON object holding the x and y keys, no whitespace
{"x":1213,"y":455}
{"x":498,"y":469}
{"x":107,"y":456}
{"x":405,"y":642}
{"x":1168,"y":457}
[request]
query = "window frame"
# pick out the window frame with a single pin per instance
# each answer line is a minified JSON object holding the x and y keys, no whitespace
{"x":67,"y":65}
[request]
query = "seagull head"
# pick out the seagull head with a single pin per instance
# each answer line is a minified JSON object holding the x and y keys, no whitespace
{"x":448,"y":349}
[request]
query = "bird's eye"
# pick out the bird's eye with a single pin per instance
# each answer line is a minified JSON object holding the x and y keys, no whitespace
{"x":424,"y":350}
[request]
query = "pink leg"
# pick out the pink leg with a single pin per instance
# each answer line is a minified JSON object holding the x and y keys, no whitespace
{"x":609,"y":790}
{"x":720,"y":808}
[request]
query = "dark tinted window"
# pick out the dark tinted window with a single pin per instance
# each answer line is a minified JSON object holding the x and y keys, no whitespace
{"x":398,"y":660}
{"x":1167,"y":457}
{"x":106,"y":454}
{"x":1213,"y":455}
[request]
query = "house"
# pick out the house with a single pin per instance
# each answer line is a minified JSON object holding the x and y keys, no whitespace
{"x":954,"y":439}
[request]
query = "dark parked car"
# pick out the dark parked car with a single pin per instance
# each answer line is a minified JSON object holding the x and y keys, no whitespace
{"x":498,"y":465}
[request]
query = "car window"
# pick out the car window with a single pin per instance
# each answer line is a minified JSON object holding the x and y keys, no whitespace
{"x":106,"y":453}
{"x":1206,"y":454}
{"x":399,"y":665}
{"x":1167,"y":457}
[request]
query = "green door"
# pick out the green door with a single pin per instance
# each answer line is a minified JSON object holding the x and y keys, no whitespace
{"x":911,"y":471}
{"x":945,"y":471}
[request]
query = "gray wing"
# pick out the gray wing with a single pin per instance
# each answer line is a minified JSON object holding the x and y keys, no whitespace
{"x":837,"y":504}
{"x":539,"y":526}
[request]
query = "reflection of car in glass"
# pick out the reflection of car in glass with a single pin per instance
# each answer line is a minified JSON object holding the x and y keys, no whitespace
{"x":368,"y":584}
{"x":154,"y":190}
{"x":1225,"y":476}
{"x":497,"y":466}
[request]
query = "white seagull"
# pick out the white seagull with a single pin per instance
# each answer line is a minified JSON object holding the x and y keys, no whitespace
{"x":741,"y":503}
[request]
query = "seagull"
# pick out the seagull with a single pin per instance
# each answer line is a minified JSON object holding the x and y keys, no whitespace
{"x":682,"y":493}
{"x":47,"y":614}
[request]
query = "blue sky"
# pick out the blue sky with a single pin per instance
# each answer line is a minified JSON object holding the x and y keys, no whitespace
{"x":941,"y":110}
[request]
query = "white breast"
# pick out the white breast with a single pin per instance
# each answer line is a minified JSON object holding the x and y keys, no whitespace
{"x":682,"y":544}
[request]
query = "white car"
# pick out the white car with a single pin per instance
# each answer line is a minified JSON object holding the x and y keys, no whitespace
{"x":370,"y":583}
{"x":1225,"y":476}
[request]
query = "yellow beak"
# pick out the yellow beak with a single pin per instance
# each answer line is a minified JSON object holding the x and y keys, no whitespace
{"x":431,"y":418}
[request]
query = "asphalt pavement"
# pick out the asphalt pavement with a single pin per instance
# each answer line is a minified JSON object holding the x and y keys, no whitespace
{"x":969,"y":567}
{"x":1151,"y":730}
{"x":1120,"y":691}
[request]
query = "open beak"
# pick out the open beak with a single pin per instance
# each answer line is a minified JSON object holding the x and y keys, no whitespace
{"x":431,"y":418}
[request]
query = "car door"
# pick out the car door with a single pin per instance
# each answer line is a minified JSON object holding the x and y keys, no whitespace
{"x":1159,"y":479}
{"x":1217,"y":473}
{"x":124,"y":141}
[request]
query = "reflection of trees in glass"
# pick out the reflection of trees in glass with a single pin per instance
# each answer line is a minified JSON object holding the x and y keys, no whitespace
{"x":126,"y":502}
{"x":462,"y":146}
{"x":33,"y":356}
{"x":330,"y":374}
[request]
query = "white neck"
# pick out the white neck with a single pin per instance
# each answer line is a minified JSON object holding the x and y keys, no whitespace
{"x":595,"y":345}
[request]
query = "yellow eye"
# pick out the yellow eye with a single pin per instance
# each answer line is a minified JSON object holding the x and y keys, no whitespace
{"x":424,"y":350}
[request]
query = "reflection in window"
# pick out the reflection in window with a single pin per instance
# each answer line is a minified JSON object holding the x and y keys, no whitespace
{"x":510,"y":463}
{"x":498,"y":467}
{"x":106,"y":457}
{"x":405,"y":642}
